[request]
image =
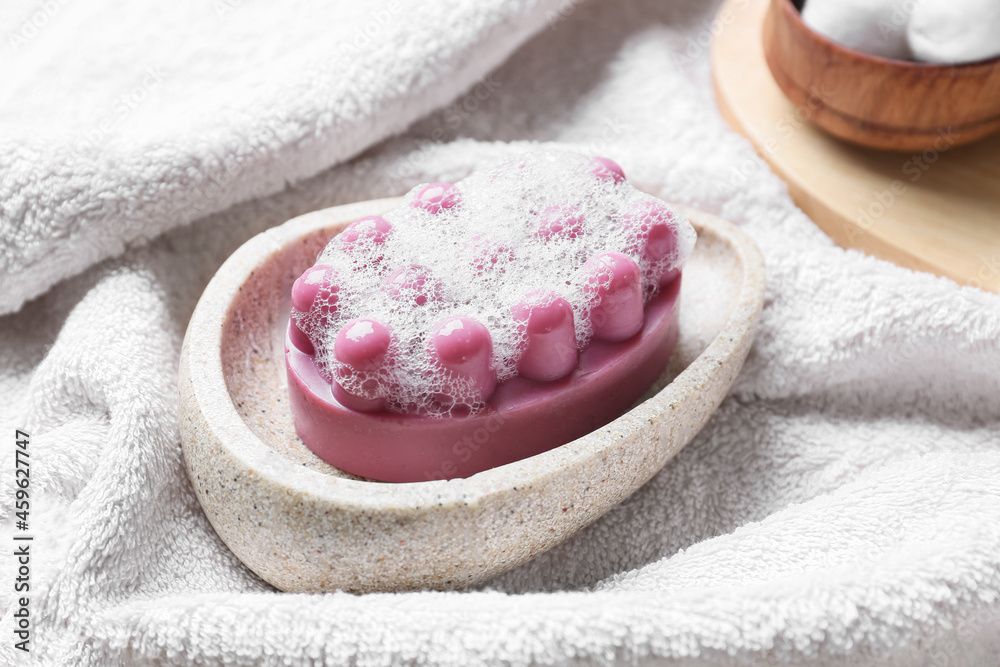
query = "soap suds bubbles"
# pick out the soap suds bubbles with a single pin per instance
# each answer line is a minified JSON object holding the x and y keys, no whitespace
{"x":473,"y":251}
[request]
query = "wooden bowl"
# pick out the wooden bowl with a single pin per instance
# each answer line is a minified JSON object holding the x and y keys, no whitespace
{"x":306,"y":526}
{"x":879,"y":102}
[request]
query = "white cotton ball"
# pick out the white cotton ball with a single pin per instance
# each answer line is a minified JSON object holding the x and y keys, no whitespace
{"x":877,"y":27}
{"x":955,"y":31}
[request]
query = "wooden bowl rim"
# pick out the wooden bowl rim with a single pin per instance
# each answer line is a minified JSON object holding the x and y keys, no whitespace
{"x":795,"y":16}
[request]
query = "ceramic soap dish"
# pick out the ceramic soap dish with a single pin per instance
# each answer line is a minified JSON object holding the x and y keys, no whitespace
{"x":305,"y":526}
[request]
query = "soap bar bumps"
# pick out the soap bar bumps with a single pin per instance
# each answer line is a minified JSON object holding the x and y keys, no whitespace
{"x":509,"y":272}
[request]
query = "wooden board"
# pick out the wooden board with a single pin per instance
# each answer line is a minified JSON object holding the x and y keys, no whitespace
{"x":936,"y":211}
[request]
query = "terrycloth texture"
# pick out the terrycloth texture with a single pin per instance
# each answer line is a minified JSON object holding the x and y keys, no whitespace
{"x":122,"y":120}
{"x":842,"y":507}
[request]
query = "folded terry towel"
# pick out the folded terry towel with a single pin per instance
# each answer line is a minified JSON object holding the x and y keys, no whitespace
{"x":841,"y":508}
{"x":122,"y":120}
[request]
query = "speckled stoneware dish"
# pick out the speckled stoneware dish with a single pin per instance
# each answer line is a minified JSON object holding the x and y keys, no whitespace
{"x":305,"y":526}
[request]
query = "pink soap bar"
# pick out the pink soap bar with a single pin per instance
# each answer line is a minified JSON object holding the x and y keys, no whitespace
{"x":485,"y":321}
{"x":547,"y":320}
{"x":523,"y":417}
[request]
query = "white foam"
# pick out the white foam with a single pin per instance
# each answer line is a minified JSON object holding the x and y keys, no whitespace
{"x":481,"y":257}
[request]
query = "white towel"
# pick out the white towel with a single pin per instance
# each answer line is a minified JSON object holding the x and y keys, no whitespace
{"x":842,"y":507}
